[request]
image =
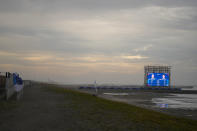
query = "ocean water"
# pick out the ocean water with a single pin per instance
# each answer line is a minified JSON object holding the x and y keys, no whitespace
{"x":181,"y":101}
{"x":194,"y":88}
{"x":116,"y":94}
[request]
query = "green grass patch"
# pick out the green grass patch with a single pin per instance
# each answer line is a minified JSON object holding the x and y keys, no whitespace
{"x":100,"y":114}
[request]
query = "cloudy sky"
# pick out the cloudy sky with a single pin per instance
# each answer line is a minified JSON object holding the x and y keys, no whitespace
{"x":79,"y":41}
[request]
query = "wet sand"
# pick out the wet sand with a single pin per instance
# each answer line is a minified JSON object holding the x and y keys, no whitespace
{"x":145,"y":99}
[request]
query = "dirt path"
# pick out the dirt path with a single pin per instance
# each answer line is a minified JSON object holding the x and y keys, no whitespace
{"x":39,"y":110}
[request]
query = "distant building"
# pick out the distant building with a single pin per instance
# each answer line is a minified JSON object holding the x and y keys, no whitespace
{"x":157,"y":76}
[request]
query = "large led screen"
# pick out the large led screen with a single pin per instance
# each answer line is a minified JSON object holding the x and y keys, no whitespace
{"x":158,"y":79}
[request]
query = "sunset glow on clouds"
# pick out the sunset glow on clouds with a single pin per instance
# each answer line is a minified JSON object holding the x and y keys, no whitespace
{"x":109,"y":41}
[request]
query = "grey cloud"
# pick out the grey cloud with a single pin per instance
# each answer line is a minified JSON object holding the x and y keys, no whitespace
{"x":61,"y":5}
{"x":46,"y":26}
{"x":189,"y":23}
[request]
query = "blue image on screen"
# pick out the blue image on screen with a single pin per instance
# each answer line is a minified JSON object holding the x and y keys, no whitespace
{"x":158,"y":79}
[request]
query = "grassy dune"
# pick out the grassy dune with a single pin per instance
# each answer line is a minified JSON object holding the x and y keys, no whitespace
{"x":95,"y":113}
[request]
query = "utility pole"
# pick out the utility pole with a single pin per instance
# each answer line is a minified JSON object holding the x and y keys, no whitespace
{"x":95,"y":87}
